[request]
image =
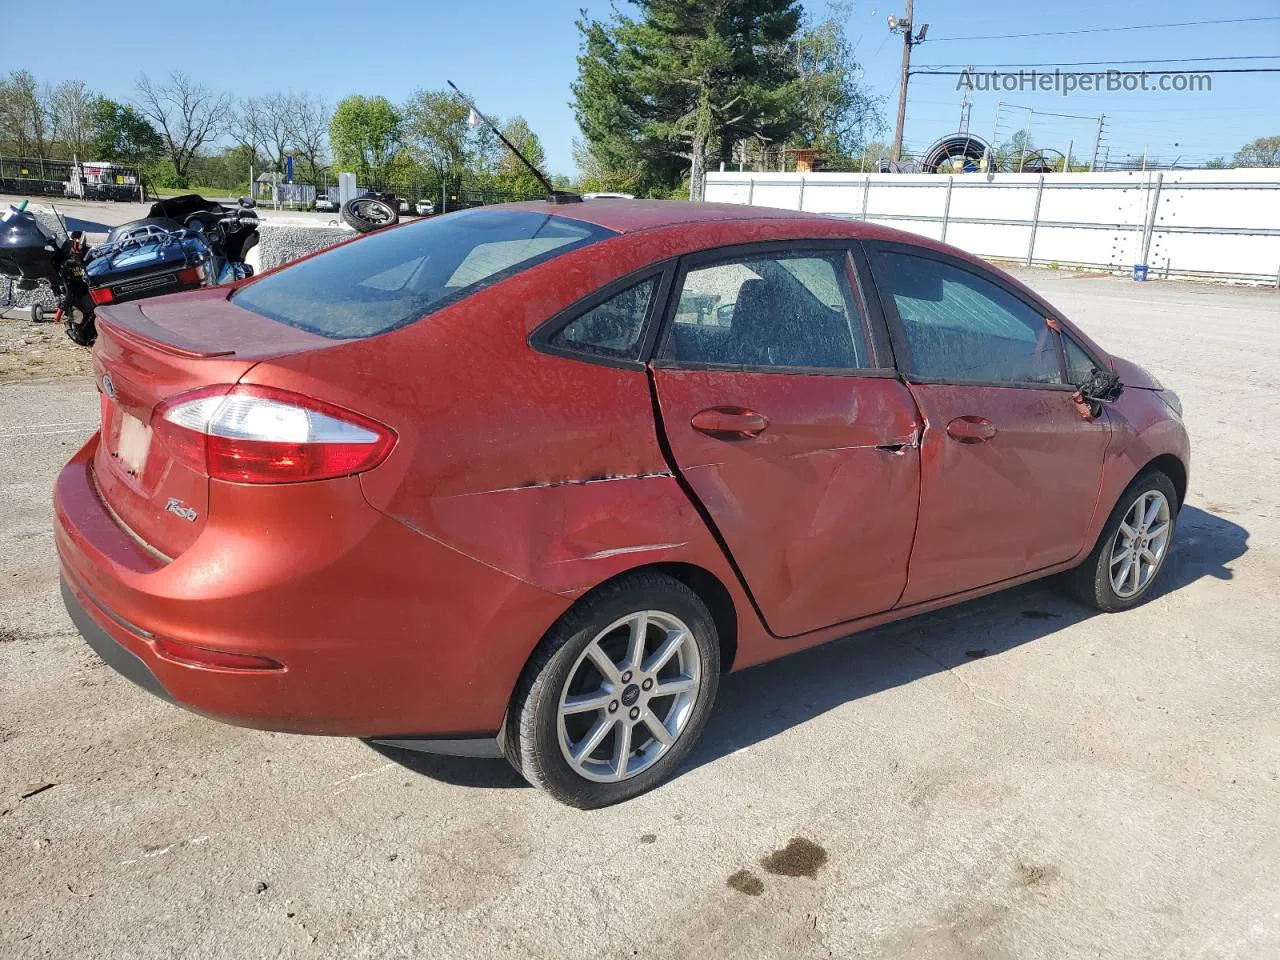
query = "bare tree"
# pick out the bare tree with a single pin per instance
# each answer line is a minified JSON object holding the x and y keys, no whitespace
{"x":24,"y":115}
{"x":275,"y":125}
{"x":308,"y":128}
{"x":187,"y":113}
{"x":72,"y":105}
{"x":246,"y":127}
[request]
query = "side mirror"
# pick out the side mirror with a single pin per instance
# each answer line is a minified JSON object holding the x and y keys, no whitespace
{"x":1100,"y":388}
{"x":248,"y":202}
{"x":724,"y":314}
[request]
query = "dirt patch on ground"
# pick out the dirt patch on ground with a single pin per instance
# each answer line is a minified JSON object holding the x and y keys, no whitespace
{"x":38,"y":351}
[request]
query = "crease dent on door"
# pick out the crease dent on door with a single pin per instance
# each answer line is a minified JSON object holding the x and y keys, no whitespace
{"x":817,"y":513}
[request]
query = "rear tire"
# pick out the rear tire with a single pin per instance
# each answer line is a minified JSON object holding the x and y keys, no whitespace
{"x":1124,"y":565}
{"x":85,"y":332}
{"x":594,"y":689}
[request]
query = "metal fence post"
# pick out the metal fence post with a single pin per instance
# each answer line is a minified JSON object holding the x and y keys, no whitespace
{"x":1150,"y":230}
{"x":751,"y":189}
{"x":800,"y":205}
{"x":946,"y":207}
{"x":1035,"y":221}
{"x":866,"y":189}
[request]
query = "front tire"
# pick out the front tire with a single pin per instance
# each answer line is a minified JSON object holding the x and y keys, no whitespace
{"x":617,"y":693}
{"x":1131,"y":551}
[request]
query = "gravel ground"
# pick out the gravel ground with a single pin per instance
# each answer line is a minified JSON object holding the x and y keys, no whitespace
{"x":1015,"y":777}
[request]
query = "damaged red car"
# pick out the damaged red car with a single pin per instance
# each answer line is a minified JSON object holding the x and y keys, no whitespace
{"x":527,"y":479}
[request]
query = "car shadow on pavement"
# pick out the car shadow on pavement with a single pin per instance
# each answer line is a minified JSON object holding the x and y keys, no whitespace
{"x":764,"y":701}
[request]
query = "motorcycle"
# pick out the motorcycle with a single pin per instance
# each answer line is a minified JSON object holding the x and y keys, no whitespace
{"x":184,"y":243}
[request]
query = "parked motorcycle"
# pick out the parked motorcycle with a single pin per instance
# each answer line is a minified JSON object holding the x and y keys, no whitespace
{"x":184,"y":243}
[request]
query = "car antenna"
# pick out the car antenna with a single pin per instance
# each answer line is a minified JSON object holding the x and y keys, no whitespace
{"x":553,"y":195}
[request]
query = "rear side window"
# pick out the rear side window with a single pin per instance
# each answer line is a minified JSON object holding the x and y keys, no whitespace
{"x":612,"y":328}
{"x":773,"y":311}
{"x":394,"y":277}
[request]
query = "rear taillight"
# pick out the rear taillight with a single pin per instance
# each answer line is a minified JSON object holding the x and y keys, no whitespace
{"x":191,"y":275}
{"x":102,"y":295}
{"x":251,"y":434}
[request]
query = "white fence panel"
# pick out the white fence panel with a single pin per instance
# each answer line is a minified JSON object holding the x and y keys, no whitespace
{"x":1213,"y":223}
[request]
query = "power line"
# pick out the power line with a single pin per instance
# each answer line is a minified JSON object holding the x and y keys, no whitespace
{"x":1150,"y":73}
{"x":1067,"y":33}
{"x":1095,"y":63}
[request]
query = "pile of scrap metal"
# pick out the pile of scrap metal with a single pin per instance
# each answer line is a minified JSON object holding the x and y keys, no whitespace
{"x":969,"y":153}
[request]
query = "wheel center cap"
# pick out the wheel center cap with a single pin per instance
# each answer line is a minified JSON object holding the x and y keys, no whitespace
{"x":630,"y":695}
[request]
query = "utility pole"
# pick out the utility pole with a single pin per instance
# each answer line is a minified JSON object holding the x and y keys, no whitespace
{"x":904,"y":26}
{"x":1097,"y":142}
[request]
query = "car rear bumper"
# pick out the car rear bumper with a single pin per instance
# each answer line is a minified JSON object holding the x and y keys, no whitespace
{"x":118,"y":657}
{"x":380,"y":632}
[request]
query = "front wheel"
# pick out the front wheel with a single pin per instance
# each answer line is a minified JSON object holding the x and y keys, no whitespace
{"x":1131,"y":550}
{"x":617,"y":693}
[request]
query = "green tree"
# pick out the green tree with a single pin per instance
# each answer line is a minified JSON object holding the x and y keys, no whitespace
{"x":436,"y":130}
{"x":597,"y":175}
{"x":1263,"y":152}
{"x":24,"y":115}
{"x":838,"y":113}
{"x":1217,"y":163}
{"x":684,"y":82}
{"x":514,"y":177}
{"x":365,"y":134}
{"x":121,"y":134}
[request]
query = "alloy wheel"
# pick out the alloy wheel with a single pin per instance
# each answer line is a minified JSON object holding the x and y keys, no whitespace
{"x":1140,"y":544}
{"x":629,"y":696}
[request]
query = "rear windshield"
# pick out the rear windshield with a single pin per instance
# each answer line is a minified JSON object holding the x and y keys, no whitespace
{"x":394,"y":277}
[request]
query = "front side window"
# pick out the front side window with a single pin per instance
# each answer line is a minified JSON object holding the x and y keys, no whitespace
{"x":961,"y":327}
{"x":1080,"y":365}
{"x":393,"y":277}
{"x":613,"y":328}
{"x":771,"y":311}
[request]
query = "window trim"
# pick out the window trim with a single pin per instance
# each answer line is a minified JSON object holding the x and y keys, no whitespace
{"x":898,"y":332}
{"x":745,"y":251}
{"x":543,"y":336}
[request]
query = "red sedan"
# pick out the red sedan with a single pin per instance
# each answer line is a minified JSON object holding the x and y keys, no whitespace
{"x":530,"y":478}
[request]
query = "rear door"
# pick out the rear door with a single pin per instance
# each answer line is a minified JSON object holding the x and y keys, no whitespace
{"x":791,"y":429}
{"x":1011,"y":468}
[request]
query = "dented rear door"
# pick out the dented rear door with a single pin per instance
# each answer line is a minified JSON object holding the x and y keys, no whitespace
{"x":801,"y":449}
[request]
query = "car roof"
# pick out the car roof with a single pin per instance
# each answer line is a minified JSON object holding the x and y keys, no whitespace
{"x":635,"y":216}
{"x":631,"y":216}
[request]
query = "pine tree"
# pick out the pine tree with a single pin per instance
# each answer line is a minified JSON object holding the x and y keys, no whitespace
{"x":680,"y":85}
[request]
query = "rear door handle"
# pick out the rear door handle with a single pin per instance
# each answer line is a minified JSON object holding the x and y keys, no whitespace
{"x":729,"y":423}
{"x":970,"y":429}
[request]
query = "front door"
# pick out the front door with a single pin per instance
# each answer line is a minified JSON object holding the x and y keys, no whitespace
{"x":1010,"y":465}
{"x":800,"y":445}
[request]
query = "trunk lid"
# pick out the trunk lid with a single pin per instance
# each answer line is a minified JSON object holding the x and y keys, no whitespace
{"x":147,"y":353}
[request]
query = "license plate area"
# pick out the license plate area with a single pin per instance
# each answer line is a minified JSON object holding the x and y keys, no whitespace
{"x":133,"y":443}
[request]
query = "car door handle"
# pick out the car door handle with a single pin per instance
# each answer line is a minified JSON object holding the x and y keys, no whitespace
{"x":729,"y":423}
{"x":971,"y":429}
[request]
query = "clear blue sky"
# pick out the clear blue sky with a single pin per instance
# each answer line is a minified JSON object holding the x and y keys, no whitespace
{"x":517,"y":56}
